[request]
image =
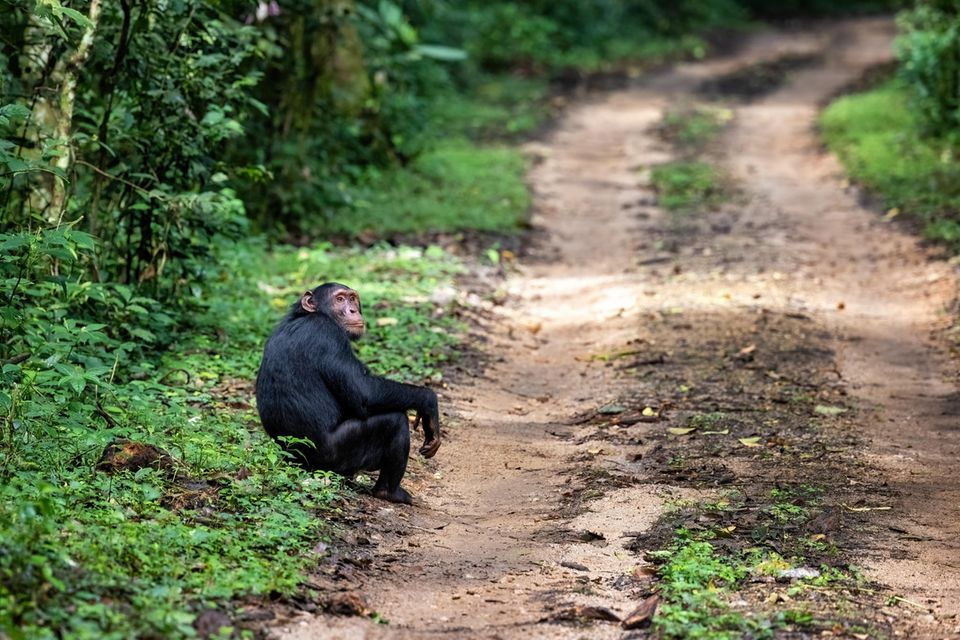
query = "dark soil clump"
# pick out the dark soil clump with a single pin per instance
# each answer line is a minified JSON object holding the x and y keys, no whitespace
{"x":756,"y":81}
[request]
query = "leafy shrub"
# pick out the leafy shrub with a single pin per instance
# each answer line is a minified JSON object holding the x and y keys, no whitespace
{"x":146,"y":121}
{"x":508,"y":34}
{"x":929,"y":52}
{"x":885,"y":144}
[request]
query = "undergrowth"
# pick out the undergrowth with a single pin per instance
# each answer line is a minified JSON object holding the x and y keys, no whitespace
{"x":493,"y":107}
{"x":454,"y":186}
{"x":90,"y":554}
{"x":881,"y":140}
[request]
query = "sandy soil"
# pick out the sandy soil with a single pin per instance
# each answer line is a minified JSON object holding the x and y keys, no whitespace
{"x":494,"y":546}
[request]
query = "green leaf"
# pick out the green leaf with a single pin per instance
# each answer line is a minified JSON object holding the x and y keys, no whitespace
{"x":439,"y":52}
{"x":15,"y":111}
{"x":76,"y":16}
{"x":15,"y":241}
{"x":611,"y":409}
{"x":75,"y":382}
{"x":83,"y":240}
{"x":143,"y":334}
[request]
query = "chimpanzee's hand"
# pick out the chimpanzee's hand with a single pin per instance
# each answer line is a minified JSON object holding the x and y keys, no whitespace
{"x":431,"y":433}
{"x":429,"y":447}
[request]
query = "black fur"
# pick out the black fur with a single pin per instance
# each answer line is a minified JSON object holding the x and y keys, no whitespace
{"x":311,"y":385}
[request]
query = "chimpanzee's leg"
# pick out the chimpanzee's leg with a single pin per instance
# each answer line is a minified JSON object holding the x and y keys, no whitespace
{"x":379,"y":442}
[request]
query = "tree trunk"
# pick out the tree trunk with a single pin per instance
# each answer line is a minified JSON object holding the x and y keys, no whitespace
{"x":68,"y":74}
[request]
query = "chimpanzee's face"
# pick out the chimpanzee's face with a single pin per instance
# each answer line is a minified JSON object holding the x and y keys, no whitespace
{"x":344,"y":305}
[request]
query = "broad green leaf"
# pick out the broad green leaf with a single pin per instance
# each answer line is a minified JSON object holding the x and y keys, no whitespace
{"x":439,"y":52}
{"x":76,"y":16}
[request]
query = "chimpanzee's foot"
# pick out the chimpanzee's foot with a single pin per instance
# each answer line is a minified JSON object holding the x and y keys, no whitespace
{"x":397,"y":495}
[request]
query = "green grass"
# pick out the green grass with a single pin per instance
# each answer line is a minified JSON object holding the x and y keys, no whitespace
{"x":86,"y":554}
{"x":463,"y":180}
{"x":705,"y":567}
{"x":395,"y":283}
{"x":688,"y":186}
{"x":495,"y":107}
{"x":698,"y":580}
{"x":881,"y":142}
{"x":695,"y":583}
{"x":695,"y":126}
{"x":618,"y":52}
{"x":454,"y":186}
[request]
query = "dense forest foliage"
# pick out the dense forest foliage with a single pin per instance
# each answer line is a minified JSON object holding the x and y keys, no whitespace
{"x":152,"y":150}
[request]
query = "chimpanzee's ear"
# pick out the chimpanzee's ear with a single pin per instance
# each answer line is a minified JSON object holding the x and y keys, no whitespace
{"x":306,"y":301}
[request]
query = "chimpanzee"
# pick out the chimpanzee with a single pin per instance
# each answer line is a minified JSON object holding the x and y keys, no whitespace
{"x":312,"y":386}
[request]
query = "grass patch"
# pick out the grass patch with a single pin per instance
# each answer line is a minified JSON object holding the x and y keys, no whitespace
{"x":880,"y":140}
{"x":453,"y":187}
{"x":688,"y":186}
{"x":496,"y":106}
{"x":87,"y":554}
{"x":694,"y":585}
{"x":695,"y":125}
{"x":735,"y":548}
{"x":618,"y":52}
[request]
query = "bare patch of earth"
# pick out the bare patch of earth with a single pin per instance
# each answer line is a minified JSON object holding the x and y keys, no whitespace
{"x":785,"y":339}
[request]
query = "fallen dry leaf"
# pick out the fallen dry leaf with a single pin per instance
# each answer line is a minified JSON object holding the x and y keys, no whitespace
{"x":681,"y":431}
{"x":646,"y":571}
{"x":642,"y":614}
{"x":751,"y":442}
{"x":346,"y":604}
{"x":582,"y":612}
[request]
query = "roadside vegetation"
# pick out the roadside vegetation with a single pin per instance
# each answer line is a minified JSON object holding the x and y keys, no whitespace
{"x":900,"y":139}
{"x":97,"y":545}
{"x":884,"y":145}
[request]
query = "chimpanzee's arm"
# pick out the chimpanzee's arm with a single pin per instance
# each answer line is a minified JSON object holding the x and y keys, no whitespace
{"x":361,"y":395}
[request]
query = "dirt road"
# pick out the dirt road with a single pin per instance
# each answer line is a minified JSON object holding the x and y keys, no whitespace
{"x":789,"y":298}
